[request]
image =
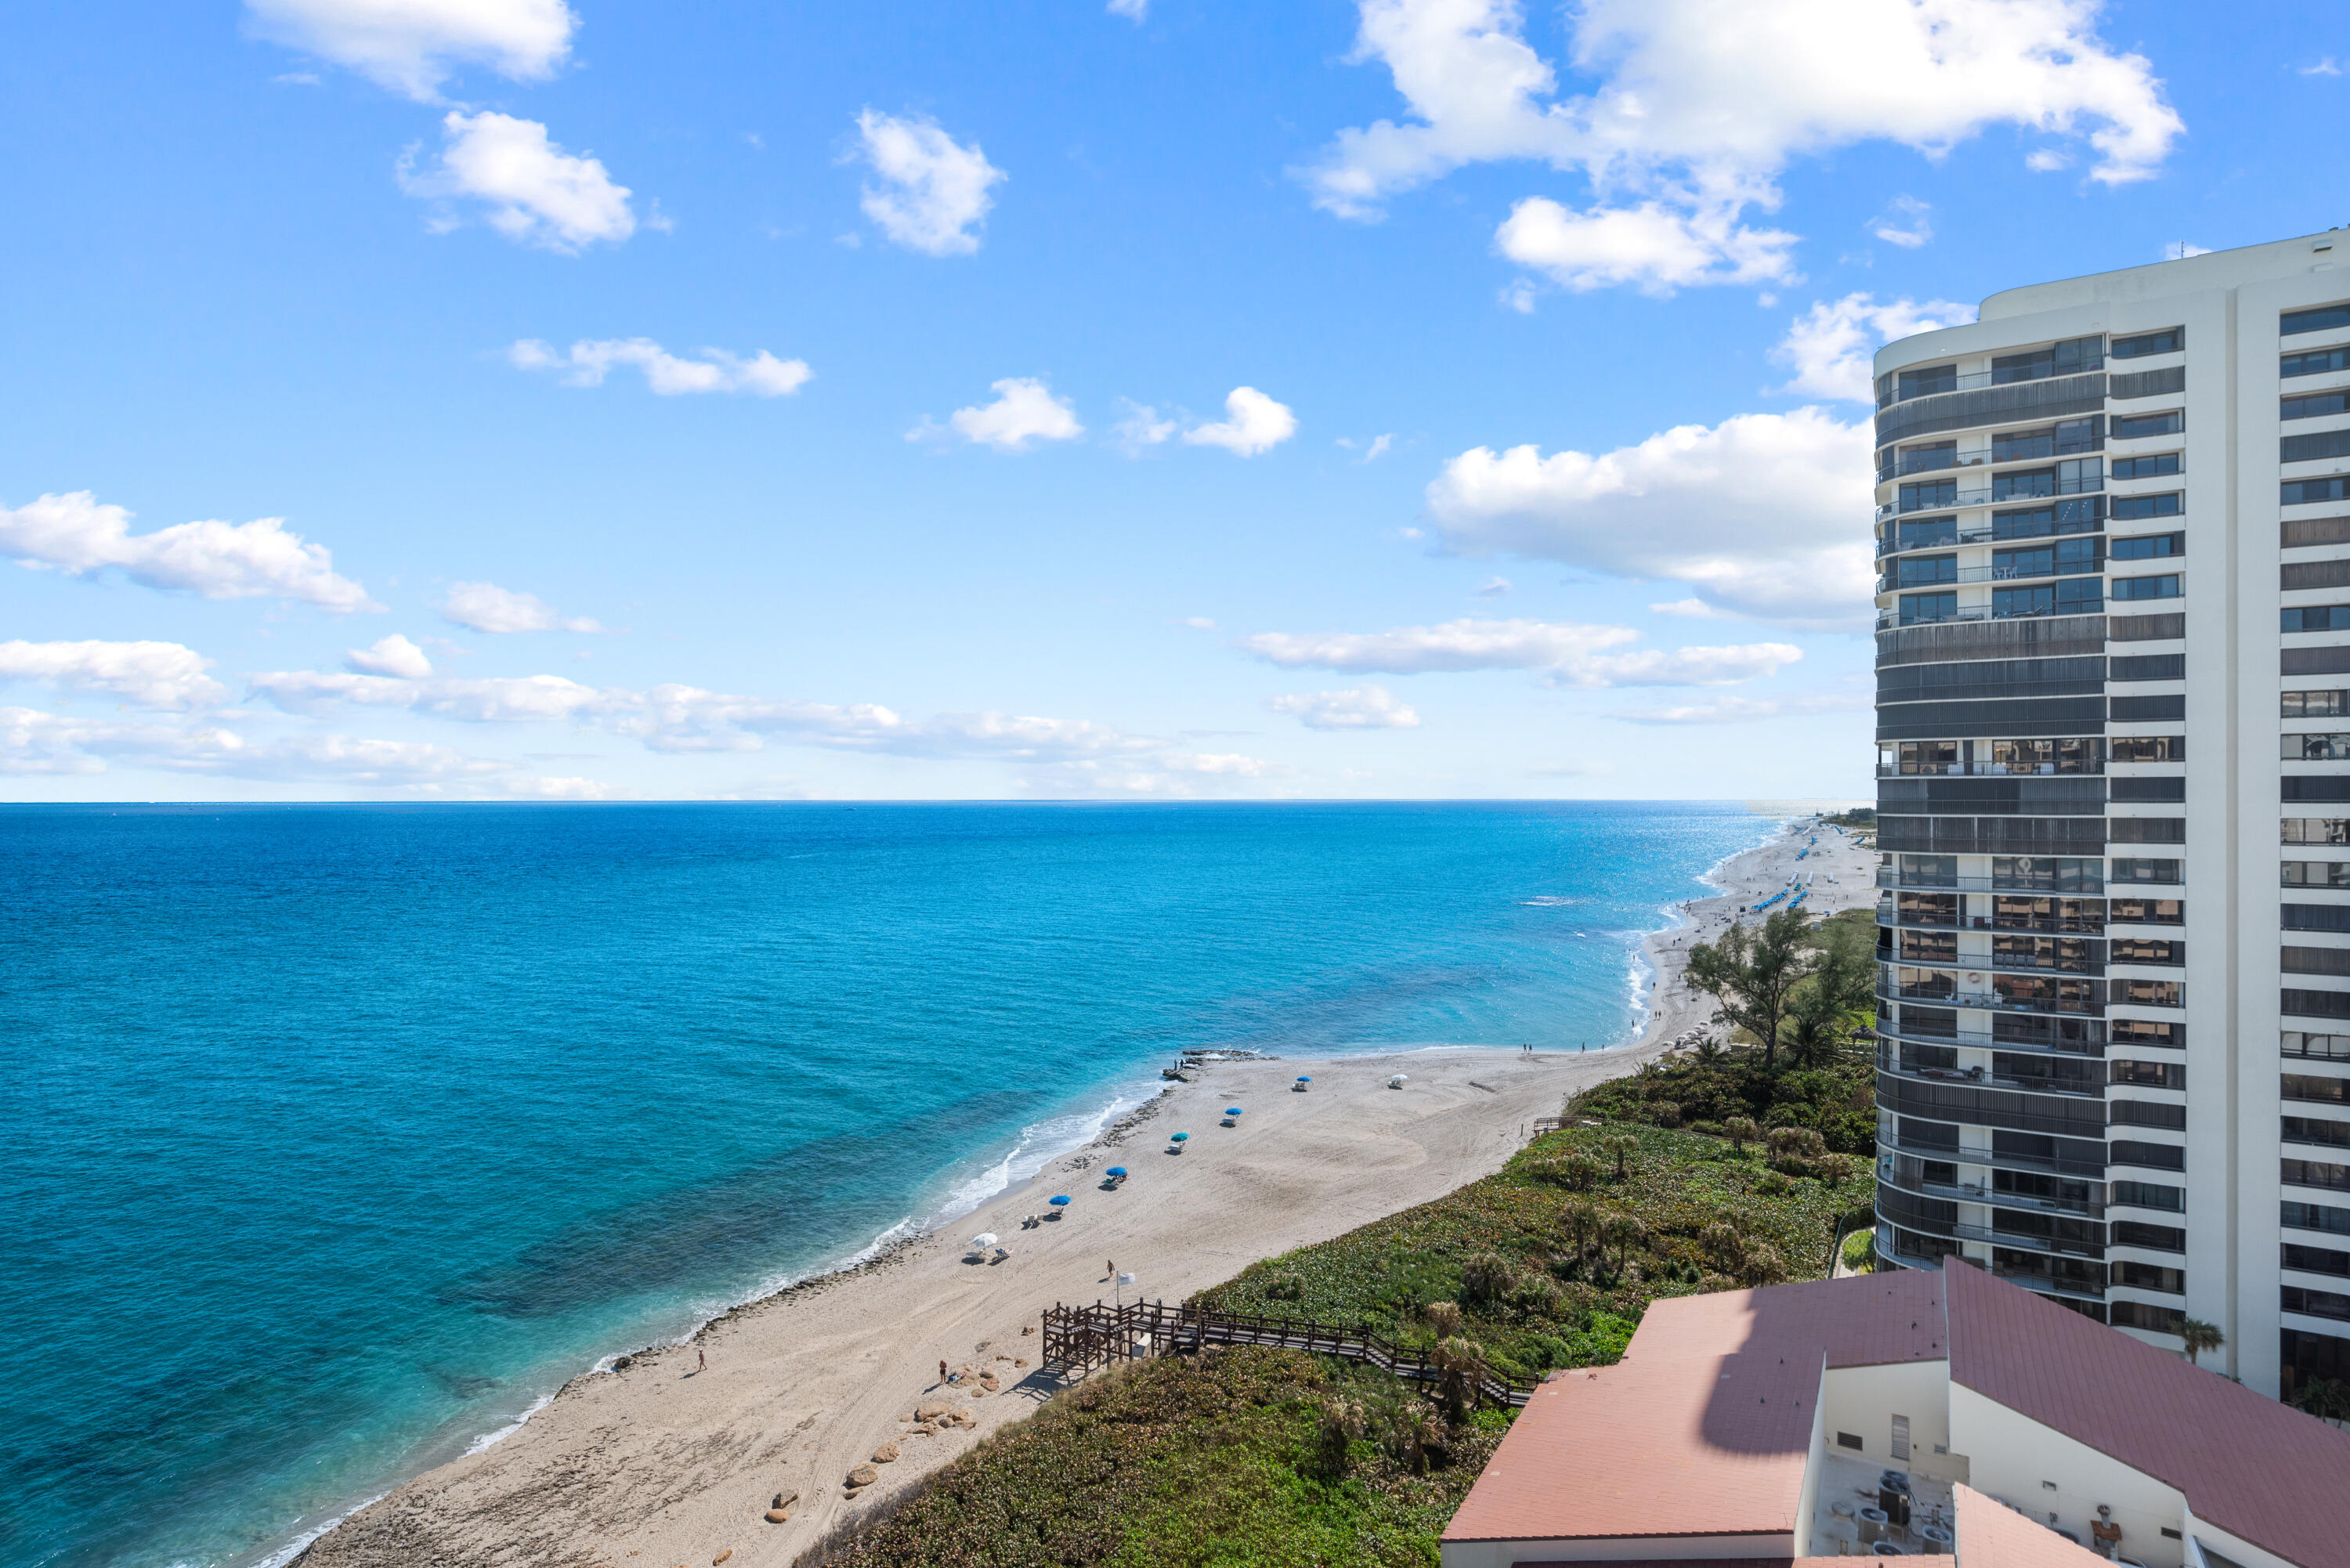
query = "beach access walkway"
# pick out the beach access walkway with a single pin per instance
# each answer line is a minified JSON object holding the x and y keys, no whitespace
{"x":1079,"y":1338}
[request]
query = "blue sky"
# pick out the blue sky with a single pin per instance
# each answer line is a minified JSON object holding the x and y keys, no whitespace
{"x":1428,"y":398}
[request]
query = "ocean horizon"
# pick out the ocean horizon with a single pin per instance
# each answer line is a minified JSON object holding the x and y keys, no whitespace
{"x":339,"y":1137}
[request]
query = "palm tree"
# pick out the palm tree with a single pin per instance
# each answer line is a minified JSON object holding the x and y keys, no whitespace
{"x":1623,"y":1233}
{"x":1741,"y":1131}
{"x":1488,"y":1277}
{"x":1342,"y":1423}
{"x":2326,"y":1397}
{"x":1723,"y":1245}
{"x":1622,"y":1147}
{"x":1460,"y":1362}
{"x":1443,"y":1319}
{"x":1581,"y":1222}
{"x":2199,"y":1336}
{"x":1417,"y":1430}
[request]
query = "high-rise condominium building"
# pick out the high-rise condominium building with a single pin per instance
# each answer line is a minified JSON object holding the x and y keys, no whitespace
{"x":2112,"y":721}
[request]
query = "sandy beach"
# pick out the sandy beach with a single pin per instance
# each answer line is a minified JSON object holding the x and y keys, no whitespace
{"x":1746,"y":879}
{"x":660,"y":1464}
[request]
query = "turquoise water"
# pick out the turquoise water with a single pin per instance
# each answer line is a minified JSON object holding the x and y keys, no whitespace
{"x":335,"y":1137}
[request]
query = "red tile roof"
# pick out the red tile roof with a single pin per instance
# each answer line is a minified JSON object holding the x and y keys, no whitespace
{"x":2248,"y":1464}
{"x":1993,"y":1535}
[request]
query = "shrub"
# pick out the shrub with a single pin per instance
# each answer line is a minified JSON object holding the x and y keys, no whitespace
{"x":1487,"y":1277}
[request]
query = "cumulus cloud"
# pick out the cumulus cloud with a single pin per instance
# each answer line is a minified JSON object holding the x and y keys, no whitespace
{"x":1563,"y":653}
{"x":150,"y":674}
{"x":413,"y":45}
{"x":1763,"y":515}
{"x":1135,"y":10}
{"x":1025,"y":410}
{"x":1140,"y":427}
{"x":1830,"y":346}
{"x":485,"y":606}
{"x":1908,"y":222}
{"x":31,"y":742}
{"x":588,"y":362}
{"x":1360,"y":708}
{"x":529,"y":188}
{"x":1253,"y":423}
{"x":1697,"y":105}
{"x":932,"y":194}
{"x":1650,"y":246}
{"x":394,"y":655}
{"x":75,"y":534}
{"x":1494,"y":588}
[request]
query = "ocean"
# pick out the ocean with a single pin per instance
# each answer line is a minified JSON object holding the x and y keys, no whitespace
{"x":335,"y":1138}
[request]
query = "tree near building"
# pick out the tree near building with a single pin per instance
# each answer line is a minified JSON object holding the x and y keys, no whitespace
{"x":1752,"y":975}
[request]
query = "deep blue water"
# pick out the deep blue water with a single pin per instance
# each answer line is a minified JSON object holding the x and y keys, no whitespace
{"x":332,"y":1138}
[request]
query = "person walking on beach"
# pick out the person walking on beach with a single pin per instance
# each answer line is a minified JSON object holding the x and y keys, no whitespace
{"x":701,"y":1358}
{"x":942,"y":1372}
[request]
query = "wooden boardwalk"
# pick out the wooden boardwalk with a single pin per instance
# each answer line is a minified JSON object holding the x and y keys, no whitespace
{"x":1080,"y":1338}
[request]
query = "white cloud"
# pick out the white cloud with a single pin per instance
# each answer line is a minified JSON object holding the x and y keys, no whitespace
{"x":712,"y":370}
{"x":2180,"y":250}
{"x":1565,"y":653}
{"x":1360,"y":708}
{"x":1699,"y":105}
{"x":1025,"y":410}
{"x":1135,"y":10}
{"x":1829,"y":346}
{"x":485,"y":606}
{"x":1745,"y":710}
{"x":1694,"y":608}
{"x":151,"y":674}
{"x":1494,"y":588}
{"x":1199,"y":623}
{"x":1650,"y":245}
{"x":1761,"y":514}
{"x":1253,"y":423}
{"x":1518,"y":294}
{"x":1140,"y":428}
{"x":534,"y":192}
{"x":1908,"y":222}
{"x":394,"y":655}
{"x":933,"y":194}
{"x":74,"y":533}
{"x":1378,"y":447}
{"x":2325,"y":68}
{"x":31,"y":742}
{"x":413,"y":45}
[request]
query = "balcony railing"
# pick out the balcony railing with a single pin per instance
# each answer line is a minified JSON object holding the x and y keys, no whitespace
{"x":1891,"y":583}
{"x":1974,"y":534}
{"x":1942,"y":462}
{"x":1991,"y":494}
{"x":2093,"y":1170}
{"x":1986,"y":770}
{"x":1932,"y":882}
{"x":1976,"y":1040}
{"x":1987,"y":1000}
{"x":1941,"y":384}
{"x":1976,"y":1193}
{"x":2047,"y":1285}
{"x":1985,"y":1078}
{"x":1888,"y":619}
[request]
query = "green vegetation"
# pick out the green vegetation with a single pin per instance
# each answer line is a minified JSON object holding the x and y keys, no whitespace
{"x":1795,"y":993}
{"x":1239,"y":1455}
{"x":1251,"y":1458}
{"x":1858,"y":816}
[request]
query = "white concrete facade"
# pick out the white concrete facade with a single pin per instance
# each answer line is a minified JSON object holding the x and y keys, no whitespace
{"x":2165,"y":469}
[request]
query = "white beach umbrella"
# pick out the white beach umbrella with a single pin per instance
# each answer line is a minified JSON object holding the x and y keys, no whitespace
{"x":984,"y":1238}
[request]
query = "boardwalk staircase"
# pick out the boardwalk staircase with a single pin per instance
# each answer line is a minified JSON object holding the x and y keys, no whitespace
{"x":1079,"y":1338}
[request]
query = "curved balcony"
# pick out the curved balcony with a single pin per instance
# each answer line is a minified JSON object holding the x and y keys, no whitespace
{"x":2030,"y":1164}
{"x":1951,"y":498}
{"x":1977,"y":1192}
{"x":1988,"y":1078}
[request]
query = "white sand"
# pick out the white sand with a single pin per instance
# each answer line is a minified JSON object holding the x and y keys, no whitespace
{"x":660,"y":1466}
{"x":1747,"y":880}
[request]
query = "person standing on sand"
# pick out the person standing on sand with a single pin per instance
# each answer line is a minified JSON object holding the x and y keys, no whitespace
{"x":942,"y":1372}
{"x":701,"y":1358}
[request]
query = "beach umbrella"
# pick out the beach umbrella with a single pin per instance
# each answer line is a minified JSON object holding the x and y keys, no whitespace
{"x":1062,"y":1201}
{"x":1232,"y":1110}
{"x":984,"y":1238}
{"x":1178,"y":1138}
{"x":1115,"y":1170}
{"x":1305,"y":1077}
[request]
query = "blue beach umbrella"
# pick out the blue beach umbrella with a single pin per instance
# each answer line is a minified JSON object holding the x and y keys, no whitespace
{"x":1062,"y":1201}
{"x":1115,"y":1170}
{"x":1305,"y":1077}
{"x":1178,"y":1138}
{"x":1232,"y":1110}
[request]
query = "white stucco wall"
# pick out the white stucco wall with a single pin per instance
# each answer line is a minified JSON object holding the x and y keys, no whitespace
{"x":2011,"y":1457}
{"x":1863,"y":1400}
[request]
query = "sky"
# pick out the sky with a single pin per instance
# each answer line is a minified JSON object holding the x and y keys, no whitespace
{"x":544,"y":399}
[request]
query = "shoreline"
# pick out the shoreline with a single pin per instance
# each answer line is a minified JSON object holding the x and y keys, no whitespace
{"x":1661,"y":1014}
{"x":649,"y":1457}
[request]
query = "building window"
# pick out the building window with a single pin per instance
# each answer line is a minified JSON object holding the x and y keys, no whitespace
{"x":2149,"y":748}
{"x":2132,"y":427}
{"x":2316,"y":362}
{"x":2070,"y":358}
{"x":2315,"y":704}
{"x":2313,"y":405}
{"x":2317,"y":1304}
{"x":2063,"y":559}
{"x":2150,"y":1075}
{"x":2169,"y":340}
{"x":2322,"y":1217}
{"x":2315,"y":830}
{"x":1919,"y":571}
{"x":2315,"y":874}
{"x":2147,"y":949}
{"x":1926,"y":383}
{"x":2153,"y":467}
{"x":2083,"y":516}
{"x":2132,"y":870}
{"x":2145,"y":1315}
{"x":2154,"y":1238}
{"x":2162,"y":587}
{"x":2127,"y":508}
{"x":2332,"y":747}
{"x":2149,"y":1277}
{"x":2073,"y":595}
{"x":1928,"y":532}
{"x":2312,"y":1087}
{"x":2302,"y":492}
{"x":2316,"y":1047}
{"x":2316,"y":1129}
{"x":1932,"y":493}
{"x":1921,"y":608}
{"x":2150,"y":1195}
{"x":2315,"y":1173}
{"x":2314,"y":617}
{"x":2148,"y":912}
{"x":2321,"y":320}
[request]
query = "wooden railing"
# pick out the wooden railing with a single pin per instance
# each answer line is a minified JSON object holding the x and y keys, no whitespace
{"x":1080,"y":1338}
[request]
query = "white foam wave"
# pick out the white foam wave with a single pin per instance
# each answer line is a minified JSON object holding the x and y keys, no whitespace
{"x":491,"y":1439}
